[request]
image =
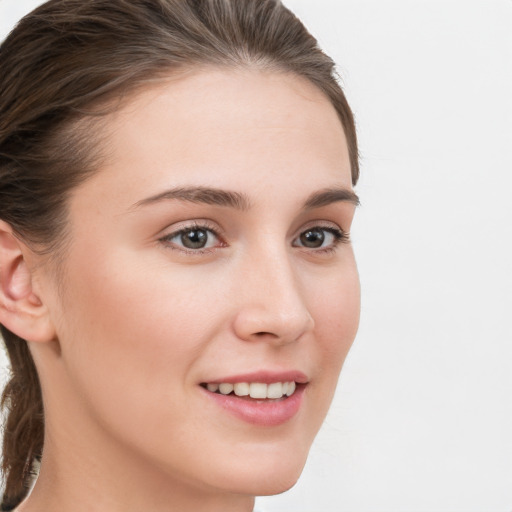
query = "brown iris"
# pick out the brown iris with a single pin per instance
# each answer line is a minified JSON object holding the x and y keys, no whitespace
{"x":312,"y":238}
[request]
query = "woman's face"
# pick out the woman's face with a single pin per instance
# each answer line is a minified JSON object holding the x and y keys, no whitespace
{"x":210,"y":253}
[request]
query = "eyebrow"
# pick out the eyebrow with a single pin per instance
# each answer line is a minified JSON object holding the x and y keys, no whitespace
{"x":331,"y":195}
{"x":204,"y":195}
{"x":240,"y":201}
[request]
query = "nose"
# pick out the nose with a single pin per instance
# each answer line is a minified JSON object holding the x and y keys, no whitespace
{"x":271,"y":303}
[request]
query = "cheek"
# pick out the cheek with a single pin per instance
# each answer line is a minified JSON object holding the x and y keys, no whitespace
{"x":139,"y":322}
{"x":129,"y":328}
{"x":336,"y":310}
{"x":132,"y":337}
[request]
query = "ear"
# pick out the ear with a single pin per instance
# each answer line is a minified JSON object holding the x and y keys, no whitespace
{"x":21,"y":309}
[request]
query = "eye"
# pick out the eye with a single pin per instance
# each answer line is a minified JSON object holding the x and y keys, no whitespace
{"x":320,"y":238}
{"x":193,"y":238}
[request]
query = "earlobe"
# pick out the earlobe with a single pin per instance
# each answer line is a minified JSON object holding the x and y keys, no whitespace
{"x":21,"y":309}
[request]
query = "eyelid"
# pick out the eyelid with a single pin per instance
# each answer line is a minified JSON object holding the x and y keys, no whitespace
{"x":341,"y":236}
{"x":204,"y":224}
{"x":201,"y":223}
{"x":320,"y":224}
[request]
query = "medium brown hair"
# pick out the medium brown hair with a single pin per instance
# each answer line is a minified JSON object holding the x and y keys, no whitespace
{"x":58,"y":64}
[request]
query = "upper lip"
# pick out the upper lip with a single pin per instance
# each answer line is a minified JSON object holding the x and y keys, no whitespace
{"x":264,"y":377}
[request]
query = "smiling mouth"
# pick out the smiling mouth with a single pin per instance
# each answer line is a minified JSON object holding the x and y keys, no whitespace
{"x":255,"y":390}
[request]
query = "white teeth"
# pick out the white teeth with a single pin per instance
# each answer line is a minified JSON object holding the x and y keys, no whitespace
{"x":225,"y":388}
{"x":241,"y":389}
{"x":257,"y":390}
{"x":275,"y":390}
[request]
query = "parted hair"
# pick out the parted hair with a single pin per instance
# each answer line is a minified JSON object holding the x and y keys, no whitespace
{"x":57,"y":66}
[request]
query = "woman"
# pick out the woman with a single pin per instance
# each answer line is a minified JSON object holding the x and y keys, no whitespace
{"x":178,"y":288}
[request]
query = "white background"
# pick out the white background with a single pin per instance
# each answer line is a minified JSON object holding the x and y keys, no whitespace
{"x":423,"y":416}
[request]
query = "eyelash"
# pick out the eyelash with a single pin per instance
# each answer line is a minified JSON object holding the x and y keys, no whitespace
{"x":203,"y":226}
{"x":340,"y":237}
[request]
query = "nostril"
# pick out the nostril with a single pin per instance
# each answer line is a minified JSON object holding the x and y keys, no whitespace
{"x":262,"y":334}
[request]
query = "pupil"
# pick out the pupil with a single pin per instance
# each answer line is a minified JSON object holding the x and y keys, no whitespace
{"x":313,"y":238}
{"x":194,"y":239}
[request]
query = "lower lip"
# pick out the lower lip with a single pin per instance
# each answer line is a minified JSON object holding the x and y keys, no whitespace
{"x":265,"y":413}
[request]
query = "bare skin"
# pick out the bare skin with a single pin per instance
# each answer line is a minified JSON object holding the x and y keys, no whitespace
{"x":239,"y":161}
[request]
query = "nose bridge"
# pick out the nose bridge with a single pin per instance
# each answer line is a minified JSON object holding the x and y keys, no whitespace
{"x":272,"y":302}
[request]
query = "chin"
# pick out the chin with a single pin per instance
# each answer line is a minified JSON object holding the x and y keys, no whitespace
{"x":277,"y":486}
{"x":267,"y":476}
{"x":267,"y":485}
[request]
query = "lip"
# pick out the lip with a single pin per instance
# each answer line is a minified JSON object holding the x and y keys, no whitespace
{"x":264,"y":376}
{"x":264,"y":413}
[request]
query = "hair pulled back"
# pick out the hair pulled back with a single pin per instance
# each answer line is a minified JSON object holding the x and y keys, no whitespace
{"x":58,"y":63}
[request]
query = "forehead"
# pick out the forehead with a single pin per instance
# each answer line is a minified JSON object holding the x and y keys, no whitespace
{"x":226,"y":128}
